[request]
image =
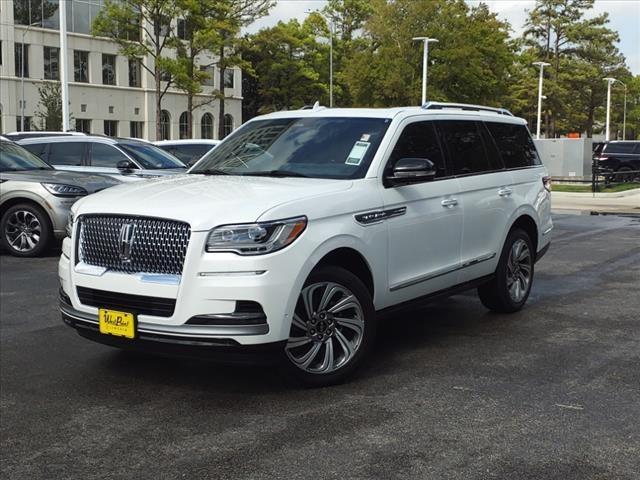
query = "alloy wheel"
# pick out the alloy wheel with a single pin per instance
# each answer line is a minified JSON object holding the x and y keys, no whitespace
{"x":327,"y":328}
{"x":23,"y":231}
{"x":519,"y":270}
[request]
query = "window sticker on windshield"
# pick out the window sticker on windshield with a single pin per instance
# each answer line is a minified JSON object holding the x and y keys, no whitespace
{"x":365,"y":137}
{"x":357,"y":153}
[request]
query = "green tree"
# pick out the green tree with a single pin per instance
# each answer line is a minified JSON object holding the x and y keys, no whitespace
{"x":470,"y":64}
{"x":143,"y":30}
{"x":49,"y":107}
{"x":287,"y":65}
{"x":581,"y":52}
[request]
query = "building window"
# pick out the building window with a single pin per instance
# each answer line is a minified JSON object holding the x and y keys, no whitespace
{"x":165,"y":125}
{"x":135,"y":71}
{"x":51,"y":63}
{"x":83,"y":125}
{"x":228,"y":78}
{"x":206,"y":126}
{"x":165,"y":76}
{"x":108,"y":69}
{"x":42,"y":13}
{"x":81,"y":66}
{"x":184,"y":125}
{"x":228,"y":124}
{"x":19,"y":63}
{"x":135,"y":129}
{"x":210,"y":81}
{"x":0,"y":52}
{"x":184,"y":32}
{"x":111,"y":128}
{"x":27,"y":124}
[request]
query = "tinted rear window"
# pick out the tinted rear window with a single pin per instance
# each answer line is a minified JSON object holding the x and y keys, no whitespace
{"x":515,"y":144}
{"x":66,"y":153}
{"x":188,"y":154}
{"x":464,"y":144}
{"x":37,"y":149}
{"x":626,"y":147}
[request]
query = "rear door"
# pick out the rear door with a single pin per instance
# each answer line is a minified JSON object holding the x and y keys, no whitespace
{"x":485,"y":193}
{"x":424,"y":219}
{"x":68,"y":155}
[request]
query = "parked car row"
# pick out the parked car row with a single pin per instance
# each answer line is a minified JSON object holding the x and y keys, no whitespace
{"x":618,"y":160}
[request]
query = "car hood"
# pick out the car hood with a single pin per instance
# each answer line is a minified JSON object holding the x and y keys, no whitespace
{"x":206,"y":201}
{"x":90,"y":182}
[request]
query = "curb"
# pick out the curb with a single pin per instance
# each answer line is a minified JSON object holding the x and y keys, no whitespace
{"x":626,"y":193}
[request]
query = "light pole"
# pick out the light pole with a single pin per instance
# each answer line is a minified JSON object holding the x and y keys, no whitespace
{"x":64,"y":73}
{"x":425,"y":58}
{"x":611,"y":81}
{"x":541,"y":65}
{"x":331,"y":28}
{"x":22,"y":62}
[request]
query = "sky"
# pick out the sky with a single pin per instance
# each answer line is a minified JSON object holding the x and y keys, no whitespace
{"x":624,"y":16}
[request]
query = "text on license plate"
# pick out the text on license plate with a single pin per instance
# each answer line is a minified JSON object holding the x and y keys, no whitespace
{"x":113,"y":322}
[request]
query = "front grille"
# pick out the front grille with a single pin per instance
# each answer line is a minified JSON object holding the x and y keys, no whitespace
{"x":157,"y":246}
{"x":138,"y":304}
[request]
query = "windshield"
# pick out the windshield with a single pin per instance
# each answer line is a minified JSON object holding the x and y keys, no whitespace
{"x":150,"y":156}
{"x":14,"y":158}
{"x":331,"y":147}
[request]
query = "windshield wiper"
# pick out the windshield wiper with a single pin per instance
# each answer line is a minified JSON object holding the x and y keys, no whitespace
{"x":277,"y":173}
{"x":211,"y":171}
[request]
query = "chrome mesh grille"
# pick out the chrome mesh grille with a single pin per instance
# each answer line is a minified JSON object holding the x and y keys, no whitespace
{"x":158,"y":246}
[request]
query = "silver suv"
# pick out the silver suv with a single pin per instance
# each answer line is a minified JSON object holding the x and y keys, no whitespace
{"x":35,"y":199}
{"x":125,"y":159}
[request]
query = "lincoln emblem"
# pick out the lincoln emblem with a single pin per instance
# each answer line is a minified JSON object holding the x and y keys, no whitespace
{"x":127,"y":236}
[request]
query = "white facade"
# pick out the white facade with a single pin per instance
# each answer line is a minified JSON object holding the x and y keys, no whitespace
{"x":94,"y":100}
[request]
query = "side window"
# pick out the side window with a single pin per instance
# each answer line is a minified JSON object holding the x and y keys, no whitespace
{"x":103,"y":155}
{"x":419,"y":140}
{"x":626,"y":147}
{"x":515,"y":144}
{"x":38,"y":149}
{"x":463,"y":142}
{"x":66,"y":153}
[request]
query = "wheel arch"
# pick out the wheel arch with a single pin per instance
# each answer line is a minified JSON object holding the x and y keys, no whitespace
{"x":16,"y":200}
{"x":527,"y":223}
{"x":352,"y":260}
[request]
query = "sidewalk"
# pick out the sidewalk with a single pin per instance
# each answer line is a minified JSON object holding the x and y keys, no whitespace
{"x":620,"y":202}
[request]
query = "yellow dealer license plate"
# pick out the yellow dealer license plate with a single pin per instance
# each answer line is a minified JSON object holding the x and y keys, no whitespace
{"x":120,"y":324}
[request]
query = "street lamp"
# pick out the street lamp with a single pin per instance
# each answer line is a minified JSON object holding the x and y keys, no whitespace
{"x":610,"y":81}
{"x":425,"y":57}
{"x":541,"y":65}
{"x":24,"y":32}
{"x":331,"y":28}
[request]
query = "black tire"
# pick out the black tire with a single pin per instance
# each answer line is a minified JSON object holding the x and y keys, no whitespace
{"x":495,"y":294}
{"x":39,"y":238}
{"x":623,"y":174}
{"x":330,"y":328}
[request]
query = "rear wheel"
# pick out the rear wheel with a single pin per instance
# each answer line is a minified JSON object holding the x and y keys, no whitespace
{"x":25,"y":230}
{"x":332,"y":329}
{"x":510,"y":287}
{"x":623,"y":174}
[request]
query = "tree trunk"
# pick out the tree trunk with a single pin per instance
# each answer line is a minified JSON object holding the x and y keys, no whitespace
{"x":222,"y":95}
{"x":158,"y":106}
{"x":190,"y":115}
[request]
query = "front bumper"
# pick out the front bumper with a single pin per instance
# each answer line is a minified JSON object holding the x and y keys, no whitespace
{"x":164,"y":341}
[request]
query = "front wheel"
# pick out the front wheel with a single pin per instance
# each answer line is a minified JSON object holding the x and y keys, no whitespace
{"x":25,"y":229}
{"x":509,"y":289}
{"x":333,"y":328}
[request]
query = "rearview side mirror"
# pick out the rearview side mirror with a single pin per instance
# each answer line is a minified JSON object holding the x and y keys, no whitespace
{"x":126,"y":166}
{"x":411,"y":170}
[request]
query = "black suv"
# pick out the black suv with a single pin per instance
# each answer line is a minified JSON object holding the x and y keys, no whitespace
{"x":621,"y":157}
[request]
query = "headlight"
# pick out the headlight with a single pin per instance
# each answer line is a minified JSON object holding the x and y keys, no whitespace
{"x":61,"y":190}
{"x":69,"y":227}
{"x":255,"y":238}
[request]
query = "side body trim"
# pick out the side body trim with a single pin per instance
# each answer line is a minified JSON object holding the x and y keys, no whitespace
{"x":376,"y":216}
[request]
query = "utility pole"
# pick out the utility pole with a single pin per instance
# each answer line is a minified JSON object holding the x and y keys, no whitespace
{"x":425,"y":59}
{"x":64,"y":64}
{"x":541,"y":65}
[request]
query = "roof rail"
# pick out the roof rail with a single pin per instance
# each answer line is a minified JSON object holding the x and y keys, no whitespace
{"x":464,"y":106}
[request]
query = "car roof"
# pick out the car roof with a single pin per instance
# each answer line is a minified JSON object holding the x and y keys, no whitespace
{"x":191,"y":141}
{"x":84,"y":138}
{"x":22,"y":135}
{"x":430,"y":109}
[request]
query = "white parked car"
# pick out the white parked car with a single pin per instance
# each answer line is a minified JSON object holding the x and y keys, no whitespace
{"x":124,"y":159}
{"x":291,"y":234}
{"x":187,"y":151}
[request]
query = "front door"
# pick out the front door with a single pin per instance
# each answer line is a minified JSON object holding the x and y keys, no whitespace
{"x":425,"y":228}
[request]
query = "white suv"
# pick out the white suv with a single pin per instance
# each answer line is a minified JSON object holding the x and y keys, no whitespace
{"x":290,"y":235}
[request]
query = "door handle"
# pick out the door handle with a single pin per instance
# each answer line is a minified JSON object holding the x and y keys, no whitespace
{"x":449,"y":202}
{"x":505,"y":192}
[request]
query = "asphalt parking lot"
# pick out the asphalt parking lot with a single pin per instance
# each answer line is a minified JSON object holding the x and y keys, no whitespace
{"x":453,"y":392}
